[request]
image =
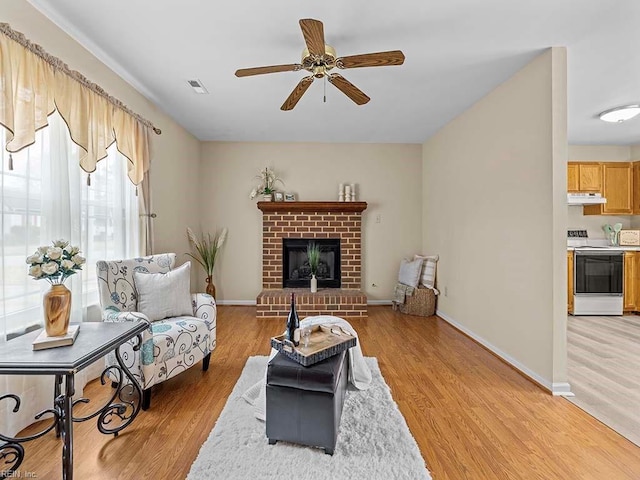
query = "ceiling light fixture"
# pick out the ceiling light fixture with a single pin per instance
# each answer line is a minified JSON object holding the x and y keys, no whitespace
{"x":620,"y":114}
{"x":197,"y":86}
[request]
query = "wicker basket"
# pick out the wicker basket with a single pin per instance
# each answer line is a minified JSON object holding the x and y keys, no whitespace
{"x":422,"y":303}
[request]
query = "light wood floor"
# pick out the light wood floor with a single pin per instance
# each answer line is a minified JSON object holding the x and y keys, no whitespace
{"x":604,"y":370}
{"x":472,"y":416}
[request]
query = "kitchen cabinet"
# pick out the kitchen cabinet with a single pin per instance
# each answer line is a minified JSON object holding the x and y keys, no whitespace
{"x":630,"y":280}
{"x":584,"y":177}
{"x":617,"y":188}
{"x":570,"y":281}
{"x":573,"y":177}
{"x":636,"y":188}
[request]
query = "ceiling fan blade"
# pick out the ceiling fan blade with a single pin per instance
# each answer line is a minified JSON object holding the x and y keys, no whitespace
{"x":348,"y":88}
{"x":313,"y":32}
{"x":246,"y":72}
{"x":297,"y":93}
{"x":379,"y":59}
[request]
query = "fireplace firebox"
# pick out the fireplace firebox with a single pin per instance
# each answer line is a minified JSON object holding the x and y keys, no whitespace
{"x":296,"y":272}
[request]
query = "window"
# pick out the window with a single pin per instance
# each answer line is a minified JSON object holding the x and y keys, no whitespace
{"x":46,"y":197}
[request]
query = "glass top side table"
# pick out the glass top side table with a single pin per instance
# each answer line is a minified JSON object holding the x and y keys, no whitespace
{"x":94,"y":341}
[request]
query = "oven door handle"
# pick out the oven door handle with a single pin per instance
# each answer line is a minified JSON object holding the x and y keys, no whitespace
{"x":597,"y":294}
{"x":608,"y":253}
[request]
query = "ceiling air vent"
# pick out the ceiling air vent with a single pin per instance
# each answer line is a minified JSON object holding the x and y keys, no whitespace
{"x":197,"y":86}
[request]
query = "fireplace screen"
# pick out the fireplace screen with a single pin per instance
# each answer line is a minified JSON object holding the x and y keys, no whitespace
{"x":296,"y":270}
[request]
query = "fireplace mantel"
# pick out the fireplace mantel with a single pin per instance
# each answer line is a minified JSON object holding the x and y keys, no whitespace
{"x":300,"y":207}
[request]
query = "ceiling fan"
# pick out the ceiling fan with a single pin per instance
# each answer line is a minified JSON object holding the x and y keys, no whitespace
{"x":319,"y":58}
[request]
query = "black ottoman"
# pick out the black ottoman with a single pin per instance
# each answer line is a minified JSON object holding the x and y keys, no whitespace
{"x":304,"y":404}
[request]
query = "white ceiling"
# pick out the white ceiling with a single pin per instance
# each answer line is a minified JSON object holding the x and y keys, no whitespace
{"x":456,"y":51}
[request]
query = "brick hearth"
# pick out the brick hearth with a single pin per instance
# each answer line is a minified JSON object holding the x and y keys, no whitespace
{"x":329,"y":301}
{"x":341,"y":220}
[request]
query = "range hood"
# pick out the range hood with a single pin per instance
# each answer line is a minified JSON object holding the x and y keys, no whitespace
{"x":585,"y":198}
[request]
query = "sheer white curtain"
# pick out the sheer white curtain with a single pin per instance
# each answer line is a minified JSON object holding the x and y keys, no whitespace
{"x":45,"y":198}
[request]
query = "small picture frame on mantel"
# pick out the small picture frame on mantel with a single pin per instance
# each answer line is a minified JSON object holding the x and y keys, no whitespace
{"x":278,"y":196}
{"x":289,"y":197}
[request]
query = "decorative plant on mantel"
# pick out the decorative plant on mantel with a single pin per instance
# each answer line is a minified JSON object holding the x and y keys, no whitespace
{"x":313,"y":255}
{"x":268,"y":180}
{"x":207,"y":249}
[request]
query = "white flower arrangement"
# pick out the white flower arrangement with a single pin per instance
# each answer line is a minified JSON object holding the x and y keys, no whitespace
{"x":268,"y":180}
{"x":55,"y":264}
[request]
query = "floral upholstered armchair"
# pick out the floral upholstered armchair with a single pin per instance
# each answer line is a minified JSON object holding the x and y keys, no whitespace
{"x":170,"y":345}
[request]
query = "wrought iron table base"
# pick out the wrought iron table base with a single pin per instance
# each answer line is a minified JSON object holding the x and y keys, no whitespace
{"x":124,"y":405}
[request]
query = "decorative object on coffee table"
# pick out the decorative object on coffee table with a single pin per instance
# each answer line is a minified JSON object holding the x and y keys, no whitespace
{"x":324,"y":341}
{"x":266,"y":187}
{"x":292,"y":333}
{"x":313,"y":255}
{"x":207,"y":249}
{"x":55,"y":264}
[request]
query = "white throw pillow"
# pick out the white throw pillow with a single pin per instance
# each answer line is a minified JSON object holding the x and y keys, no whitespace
{"x":428,"y":276}
{"x":164,"y":295}
{"x":410,"y":272}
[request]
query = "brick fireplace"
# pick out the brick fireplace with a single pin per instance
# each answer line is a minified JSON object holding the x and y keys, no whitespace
{"x":312,"y":220}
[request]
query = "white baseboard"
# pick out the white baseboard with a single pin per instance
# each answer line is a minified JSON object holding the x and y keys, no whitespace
{"x":236,"y":302}
{"x":561,"y":389}
{"x":379,"y":302}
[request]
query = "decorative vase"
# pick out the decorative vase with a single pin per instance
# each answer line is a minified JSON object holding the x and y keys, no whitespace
{"x":57,"y":309}
{"x":211,"y":288}
{"x":267,"y":197}
{"x":314,"y":284}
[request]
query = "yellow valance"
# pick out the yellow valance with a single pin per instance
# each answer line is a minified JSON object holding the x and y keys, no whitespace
{"x":33,"y":84}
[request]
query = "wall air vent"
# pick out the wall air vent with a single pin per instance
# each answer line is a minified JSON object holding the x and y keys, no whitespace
{"x":197,"y":86}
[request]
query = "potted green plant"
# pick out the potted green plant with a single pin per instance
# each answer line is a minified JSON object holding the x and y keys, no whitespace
{"x":207,"y":249}
{"x":266,"y":188}
{"x":313,"y":256}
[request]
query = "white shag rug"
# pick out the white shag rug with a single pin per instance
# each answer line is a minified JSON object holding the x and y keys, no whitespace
{"x":374,"y":441}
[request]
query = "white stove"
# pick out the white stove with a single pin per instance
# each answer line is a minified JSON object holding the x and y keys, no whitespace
{"x":598,"y":275}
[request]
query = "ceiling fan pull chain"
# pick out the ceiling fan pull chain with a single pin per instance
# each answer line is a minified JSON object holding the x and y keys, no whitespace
{"x":325,"y":89}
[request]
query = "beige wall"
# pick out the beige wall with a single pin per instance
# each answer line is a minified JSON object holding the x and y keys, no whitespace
{"x":388,"y":178}
{"x":176,"y":153}
{"x":599,"y":153}
{"x":491,"y":178}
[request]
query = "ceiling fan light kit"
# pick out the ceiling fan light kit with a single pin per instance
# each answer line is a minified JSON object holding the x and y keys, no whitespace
{"x":318,"y":58}
{"x":620,"y":114}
